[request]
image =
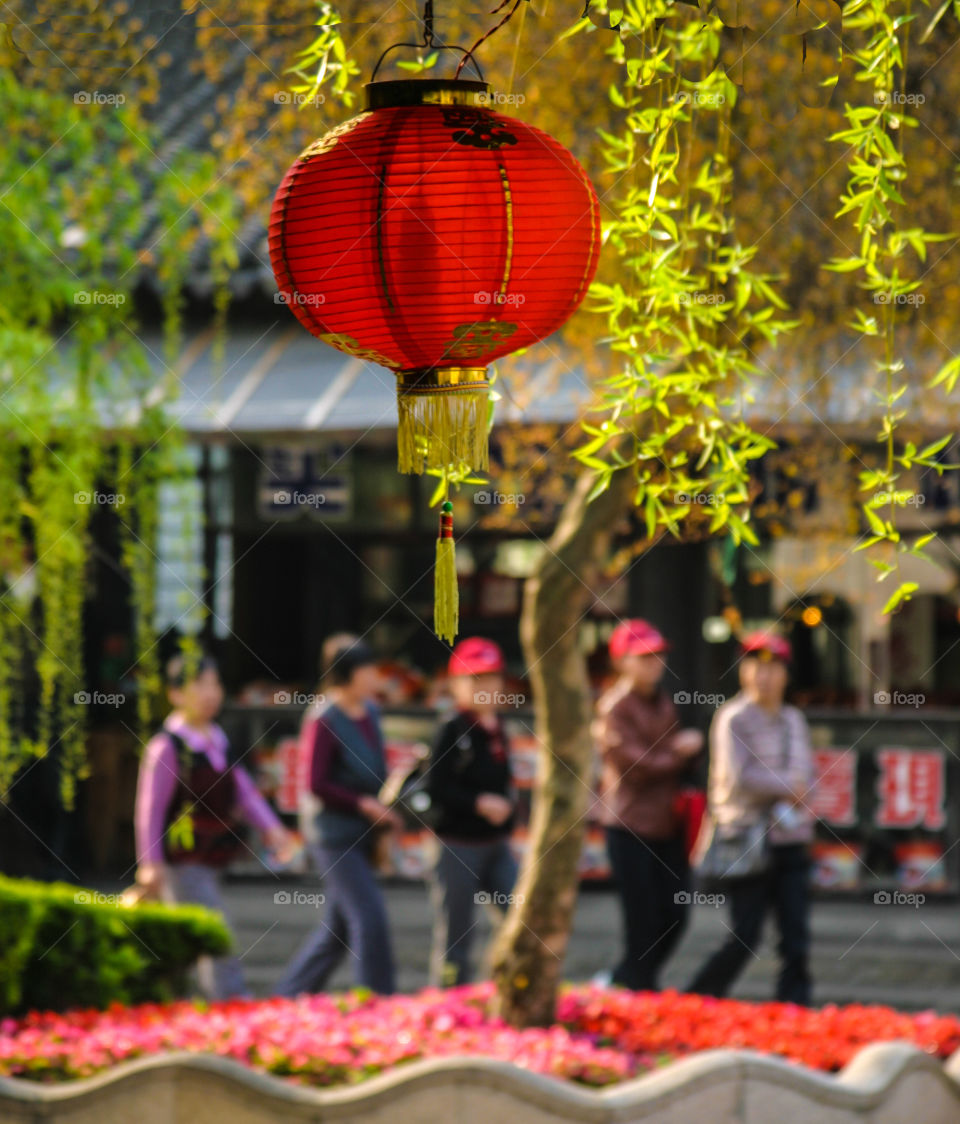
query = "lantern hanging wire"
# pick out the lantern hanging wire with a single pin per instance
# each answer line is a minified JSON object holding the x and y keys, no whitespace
{"x":429,"y":43}
{"x":496,"y":27}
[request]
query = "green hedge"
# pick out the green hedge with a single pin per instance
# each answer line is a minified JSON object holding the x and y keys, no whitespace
{"x":64,"y":946}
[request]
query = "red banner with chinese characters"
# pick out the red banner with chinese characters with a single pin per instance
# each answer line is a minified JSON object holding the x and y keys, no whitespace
{"x":834,"y":798}
{"x":910,"y":789}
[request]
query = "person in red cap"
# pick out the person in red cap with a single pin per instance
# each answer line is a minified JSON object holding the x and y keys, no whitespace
{"x":470,"y":785}
{"x":644,"y":754}
{"x":761,"y":771}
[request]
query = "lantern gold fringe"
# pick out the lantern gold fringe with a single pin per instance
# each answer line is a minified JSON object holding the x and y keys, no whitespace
{"x":446,"y":596}
{"x":451,"y":424}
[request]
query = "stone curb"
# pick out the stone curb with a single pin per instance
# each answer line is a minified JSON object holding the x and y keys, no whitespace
{"x":886,"y":1083}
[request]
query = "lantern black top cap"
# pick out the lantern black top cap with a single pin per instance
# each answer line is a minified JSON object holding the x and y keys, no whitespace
{"x":426,"y":91}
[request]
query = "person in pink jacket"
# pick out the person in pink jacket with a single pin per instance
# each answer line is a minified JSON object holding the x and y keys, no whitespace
{"x":761,"y":772}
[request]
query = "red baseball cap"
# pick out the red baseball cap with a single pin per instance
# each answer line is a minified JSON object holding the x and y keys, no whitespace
{"x":775,"y":646}
{"x":636,"y":638}
{"x":475,"y":656}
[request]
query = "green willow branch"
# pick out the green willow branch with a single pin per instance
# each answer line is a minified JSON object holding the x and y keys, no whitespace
{"x":873,"y":197}
{"x":80,"y":416}
{"x":691,"y":301}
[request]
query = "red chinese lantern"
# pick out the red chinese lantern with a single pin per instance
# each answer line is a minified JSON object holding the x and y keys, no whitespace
{"x":433,"y":235}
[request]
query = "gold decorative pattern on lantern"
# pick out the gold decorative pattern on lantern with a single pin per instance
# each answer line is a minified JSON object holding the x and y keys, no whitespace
{"x":470,"y":340}
{"x":353,"y":347}
{"x":508,"y":214}
{"x":442,"y":379}
{"x":328,"y":140}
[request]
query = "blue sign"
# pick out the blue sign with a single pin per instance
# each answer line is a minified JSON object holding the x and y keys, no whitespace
{"x":296,"y":482}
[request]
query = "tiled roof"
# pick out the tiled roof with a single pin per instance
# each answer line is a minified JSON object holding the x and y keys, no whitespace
{"x":279,"y":379}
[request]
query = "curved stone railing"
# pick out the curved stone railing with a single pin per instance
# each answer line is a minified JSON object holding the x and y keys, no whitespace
{"x":886,"y":1083}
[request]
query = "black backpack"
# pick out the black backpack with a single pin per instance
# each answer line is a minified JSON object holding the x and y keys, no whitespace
{"x":406,"y":789}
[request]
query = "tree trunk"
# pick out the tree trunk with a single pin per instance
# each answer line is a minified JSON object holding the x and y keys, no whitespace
{"x":532,"y":942}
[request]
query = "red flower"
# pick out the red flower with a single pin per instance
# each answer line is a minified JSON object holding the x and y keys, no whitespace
{"x":601,"y":1036}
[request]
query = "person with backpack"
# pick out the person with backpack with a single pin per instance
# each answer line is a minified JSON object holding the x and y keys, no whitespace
{"x":347,"y":771}
{"x":469,"y":785}
{"x":191,"y":805}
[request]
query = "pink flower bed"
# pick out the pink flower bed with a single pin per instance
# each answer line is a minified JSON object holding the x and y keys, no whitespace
{"x":320,"y":1040}
{"x":601,"y":1037}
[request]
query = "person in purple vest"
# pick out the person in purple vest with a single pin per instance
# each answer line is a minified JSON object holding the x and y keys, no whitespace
{"x":191,"y":807}
{"x":347,"y":768}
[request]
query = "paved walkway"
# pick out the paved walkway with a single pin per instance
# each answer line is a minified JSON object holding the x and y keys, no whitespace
{"x":863,"y":952}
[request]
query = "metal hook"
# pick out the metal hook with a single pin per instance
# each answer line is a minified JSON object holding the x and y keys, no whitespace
{"x":429,"y":42}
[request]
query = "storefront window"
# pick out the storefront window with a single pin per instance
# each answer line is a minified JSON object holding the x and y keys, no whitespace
{"x":179,"y":548}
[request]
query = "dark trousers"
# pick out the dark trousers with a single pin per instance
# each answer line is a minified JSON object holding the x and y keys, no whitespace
{"x":466,"y":875}
{"x":219,"y":977}
{"x":786,"y":888}
{"x":354,"y":921}
{"x":653,"y":880}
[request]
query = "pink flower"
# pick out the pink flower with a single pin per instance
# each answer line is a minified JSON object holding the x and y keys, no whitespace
{"x":601,"y":1036}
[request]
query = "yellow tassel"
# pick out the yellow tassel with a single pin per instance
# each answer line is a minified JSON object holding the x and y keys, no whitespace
{"x":441,"y":428}
{"x":446,"y":596}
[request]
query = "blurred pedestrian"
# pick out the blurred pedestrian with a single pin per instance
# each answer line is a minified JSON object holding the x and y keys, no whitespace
{"x":761,"y":773}
{"x":308,"y":803}
{"x":347,"y":771}
{"x":190,"y":806}
{"x":644,"y":756}
{"x":470,"y":787}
